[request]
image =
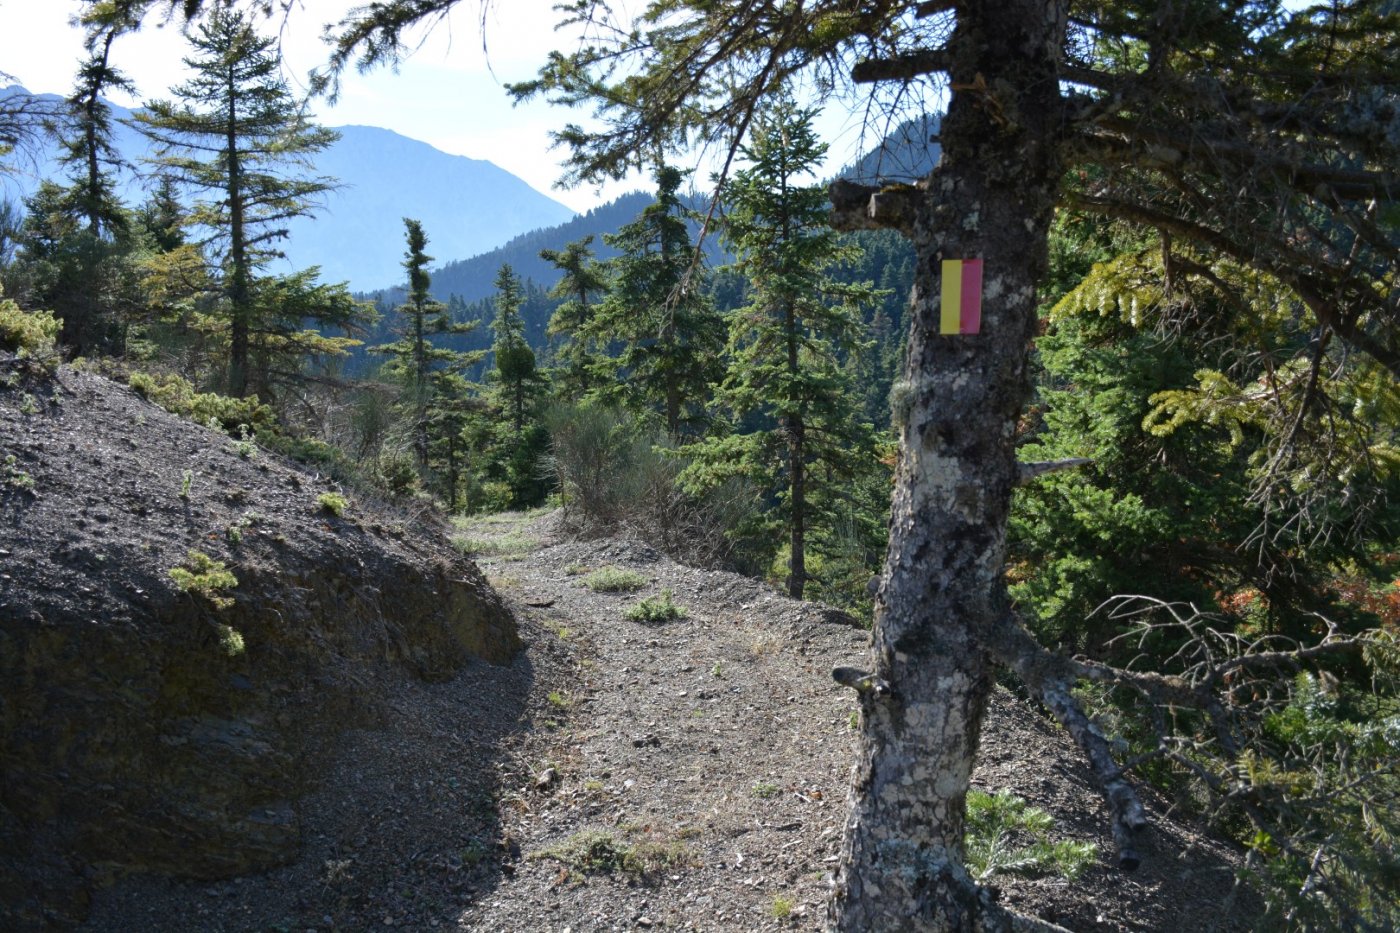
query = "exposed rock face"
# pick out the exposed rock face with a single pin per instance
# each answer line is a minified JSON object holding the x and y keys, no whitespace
{"x":142,"y":725}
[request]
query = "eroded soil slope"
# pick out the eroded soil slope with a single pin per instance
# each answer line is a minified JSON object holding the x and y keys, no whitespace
{"x":153,"y":724}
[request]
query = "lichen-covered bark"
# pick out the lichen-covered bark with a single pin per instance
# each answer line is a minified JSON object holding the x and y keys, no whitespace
{"x":942,"y":591}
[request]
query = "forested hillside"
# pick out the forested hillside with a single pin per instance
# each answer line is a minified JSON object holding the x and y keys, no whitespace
{"x":1086,"y":385}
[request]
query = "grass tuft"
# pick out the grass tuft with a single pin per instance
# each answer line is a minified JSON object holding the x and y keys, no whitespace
{"x":600,"y":852}
{"x":511,"y":545}
{"x":615,"y":580}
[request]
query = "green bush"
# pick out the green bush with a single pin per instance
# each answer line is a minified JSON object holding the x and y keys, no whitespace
{"x":204,"y":576}
{"x":615,"y":580}
{"x":178,"y":396}
{"x":27,"y":333}
{"x":656,"y":609}
{"x":332,"y":502}
{"x":617,"y":473}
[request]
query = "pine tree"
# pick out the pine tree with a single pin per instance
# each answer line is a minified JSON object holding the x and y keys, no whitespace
{"x":88,"y":280}
{"x":513,"y":445}
{"x":78,"y":258}
{"x":414,"y":358}
{"x":515,"y":361}
{"x":581,"y":285}
{"x":657,"y":315}
{"x":89,"y":150}
{"x":162,"y":217}
{"x":238,"y":137}
{"x":788,"y":343}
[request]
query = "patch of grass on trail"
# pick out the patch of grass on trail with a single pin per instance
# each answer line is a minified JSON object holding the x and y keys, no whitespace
{"x":600,"y":852}
{"x":514,"y":544}
{"x":615,"y":580}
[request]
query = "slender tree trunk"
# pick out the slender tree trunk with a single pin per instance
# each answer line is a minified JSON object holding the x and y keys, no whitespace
{"x":797,"y":543}
{"x":990,"y":198}
{"x":240,"y":312}
{"x":519,"y":408}
{"x":452,"y":472}
{"x":420,"y":389}
{"x":94,"y":166}
{"x":797,"y":468}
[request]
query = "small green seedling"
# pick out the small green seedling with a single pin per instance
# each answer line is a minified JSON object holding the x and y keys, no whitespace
{"x":204,"y":576}
{"x":333,"y":503}
{"x":656,"y":609}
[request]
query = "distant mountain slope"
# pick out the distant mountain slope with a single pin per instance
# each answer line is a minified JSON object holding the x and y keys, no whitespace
{"x":471,"y":279}
{"x":467,"y":206}
{"x":906,"y":154}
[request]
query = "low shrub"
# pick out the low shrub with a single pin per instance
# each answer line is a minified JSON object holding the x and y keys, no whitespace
{"x":27,"y":333}
{"x":617,"y":474}
{"x":656,"y":609}
{"x":1007,"y":835}
{"x":177,"y":395}
{"x":204,"y":576}
{"x":615,"y":580}
{"x":332,"y":502}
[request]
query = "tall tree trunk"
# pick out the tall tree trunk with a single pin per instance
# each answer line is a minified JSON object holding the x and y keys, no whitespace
{"x":421,"y":389}
{"x":239,"y":297}
{"x":452,"y":473}
{"x":797,"y":543}
{"x":942,"y":591}
{"x":797,"y":466}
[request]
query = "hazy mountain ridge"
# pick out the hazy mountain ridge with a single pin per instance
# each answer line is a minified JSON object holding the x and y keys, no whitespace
{"x":908,"y":153}
{"x":466,"y":205}
{"x":471,"y":279}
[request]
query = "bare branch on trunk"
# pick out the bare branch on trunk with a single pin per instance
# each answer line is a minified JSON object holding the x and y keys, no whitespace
{"x":1032,"y":471}
{"x":865,"y":207}
{"x":1051,"y":678}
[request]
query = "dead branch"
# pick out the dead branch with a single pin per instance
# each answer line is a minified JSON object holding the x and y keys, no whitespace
{"x":1051,"y":678}
{"x":1030,"y":471}
{"x":865,"y":207}
{"x":901,"y":67}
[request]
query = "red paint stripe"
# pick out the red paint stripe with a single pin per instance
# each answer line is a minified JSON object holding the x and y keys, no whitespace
{"x":971,"y":316}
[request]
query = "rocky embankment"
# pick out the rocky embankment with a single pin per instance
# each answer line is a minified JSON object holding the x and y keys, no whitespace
{"x":166,"y":722}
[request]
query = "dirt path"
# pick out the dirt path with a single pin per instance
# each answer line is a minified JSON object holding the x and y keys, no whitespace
{"x":688,"y":774}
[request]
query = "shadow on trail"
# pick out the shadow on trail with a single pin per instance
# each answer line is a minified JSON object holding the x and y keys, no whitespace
{"x":402,"y":830}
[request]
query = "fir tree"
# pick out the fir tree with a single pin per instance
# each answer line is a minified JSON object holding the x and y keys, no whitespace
{"x":89,"y":152}
{"x":513,"y":445}
{"x":239,"y":137}
{"x":788,"y":342}
{"x":657,"y":315}
{"x":78,"y":256}
{"x":581,"y":285}
{"x":162,"y":216}
{"x":515,"y":361}
{"x":414,"y":358}
{"x":88,"y":280}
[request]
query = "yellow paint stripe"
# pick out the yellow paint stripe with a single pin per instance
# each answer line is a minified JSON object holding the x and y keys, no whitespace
{"x":950,"y":305}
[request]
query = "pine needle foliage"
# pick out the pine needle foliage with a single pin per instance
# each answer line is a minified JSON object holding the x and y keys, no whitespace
{"x":793,"y":403}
